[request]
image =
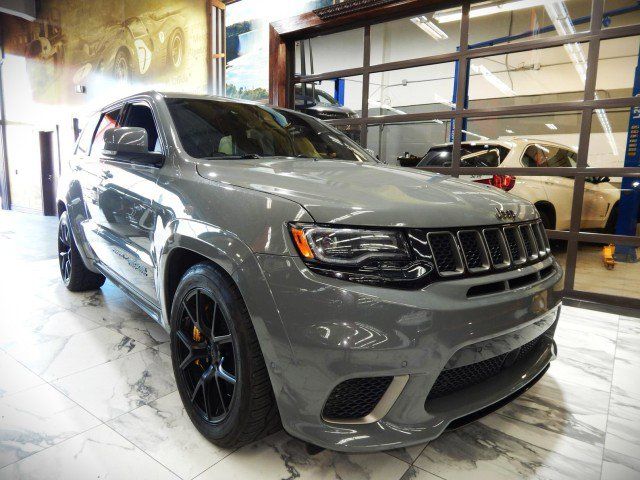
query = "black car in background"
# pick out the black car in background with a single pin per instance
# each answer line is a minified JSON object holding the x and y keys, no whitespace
{"x":319,"y":104}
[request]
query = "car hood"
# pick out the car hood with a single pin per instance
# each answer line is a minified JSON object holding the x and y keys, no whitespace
{"x":352,"y":193}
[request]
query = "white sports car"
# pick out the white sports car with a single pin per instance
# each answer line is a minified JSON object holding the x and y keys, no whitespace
{"x":552,"y":195}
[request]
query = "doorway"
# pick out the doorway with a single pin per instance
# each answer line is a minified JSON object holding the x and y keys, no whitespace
{"x":48,"y":174}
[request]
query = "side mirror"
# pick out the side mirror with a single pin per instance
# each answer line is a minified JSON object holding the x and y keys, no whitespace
{"x":131,"y":144}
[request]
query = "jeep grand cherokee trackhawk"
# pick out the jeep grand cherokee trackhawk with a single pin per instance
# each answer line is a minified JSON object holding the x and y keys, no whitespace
{"x":304,"y":284}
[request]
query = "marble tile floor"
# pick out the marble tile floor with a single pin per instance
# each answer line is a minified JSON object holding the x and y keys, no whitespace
{"x":86,"y":391}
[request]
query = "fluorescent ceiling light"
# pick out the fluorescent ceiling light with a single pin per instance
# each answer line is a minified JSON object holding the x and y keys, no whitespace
{"x":492,"y":79}
{"x":481,"y":137}
{"x":455,"y":14}
{"x":429,"y":28}
{"x":561,"y":19}
{"x":440,"y":99}
{"x":551,"y":126}
{"x":509,"y":130}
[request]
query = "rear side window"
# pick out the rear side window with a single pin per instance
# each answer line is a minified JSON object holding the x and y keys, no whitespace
{"x":84,"y":141}
{"x":539,"y":155}
{"x":108,"y":120}
{"x":478,"y":155}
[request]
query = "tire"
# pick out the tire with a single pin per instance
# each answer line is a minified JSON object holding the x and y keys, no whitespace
{"x":610,"y":226}
{"x":546,"y":220}
{"x":207,"y":305}
{"x":122,"y":68}
{"x":175,"y":49}
{"x":76,"y":277}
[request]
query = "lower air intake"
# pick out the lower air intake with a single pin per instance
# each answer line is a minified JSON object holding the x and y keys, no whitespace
{"x":355,"y":398}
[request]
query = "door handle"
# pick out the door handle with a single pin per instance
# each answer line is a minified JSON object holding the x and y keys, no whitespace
{"x":107,"y":174}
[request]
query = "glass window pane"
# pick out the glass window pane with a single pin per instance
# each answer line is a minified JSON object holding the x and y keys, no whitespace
{"x":330,"y":99}
{"x":320,"y":52}
{"x":592,"y":275}
{"x":413,"y":37}
{"x":618,"y":13}
{"x":612,"y":205}
{"x":496,"y":23}
{"x":406,"y":143}
{"x":559,"y":251}
{"x":617,"y":67}
{"x":610,"y":141}
{"x":523,"y":78}
{"x":552,"y":130}
{"x":412,"y":90}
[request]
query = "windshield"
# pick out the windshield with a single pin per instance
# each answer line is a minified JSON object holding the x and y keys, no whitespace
{"x":479,"y":155}
{"x":225,"y":129}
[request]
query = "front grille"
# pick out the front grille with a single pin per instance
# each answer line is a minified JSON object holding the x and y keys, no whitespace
{"x":445,"y":252}
{"x":456,"y":252}
{"x":497,"y":248}
{"x":355,"y":398}
{"x":473,"y":250}
{"x":455,"y":379}
{"x":515,"y":244}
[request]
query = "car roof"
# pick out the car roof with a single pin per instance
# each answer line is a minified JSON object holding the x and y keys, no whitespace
{"x":157,"y":93}
{"x":508,"y":142}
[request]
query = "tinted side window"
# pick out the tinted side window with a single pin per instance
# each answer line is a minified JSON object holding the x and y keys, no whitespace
{"x":108,"y":120}
{"x":84,"y":142}
{"x":140,"y":115}
{"x":548,"y":156}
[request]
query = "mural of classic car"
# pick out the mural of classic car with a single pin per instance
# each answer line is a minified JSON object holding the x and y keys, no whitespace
{"x":148,"y":42}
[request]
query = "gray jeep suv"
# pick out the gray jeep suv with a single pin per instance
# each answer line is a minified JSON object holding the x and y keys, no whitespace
{"x":305,"y":284}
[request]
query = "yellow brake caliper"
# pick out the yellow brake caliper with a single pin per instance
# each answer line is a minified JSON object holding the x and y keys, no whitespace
{"x":197,"y":337}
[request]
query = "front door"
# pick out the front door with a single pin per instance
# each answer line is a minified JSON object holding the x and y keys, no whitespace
{"x":125,"y":199}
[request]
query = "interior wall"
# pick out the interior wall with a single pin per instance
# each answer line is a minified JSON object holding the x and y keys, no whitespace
{"x":104,"y":50}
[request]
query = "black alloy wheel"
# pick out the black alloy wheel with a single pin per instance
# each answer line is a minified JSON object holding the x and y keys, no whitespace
{"x":64,"y":252}
{"x":206,"y":355}
{"x":75,"y":275}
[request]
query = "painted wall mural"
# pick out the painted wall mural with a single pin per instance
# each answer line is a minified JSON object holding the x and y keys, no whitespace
{"x":104,"y":46}
{"x":81,"y":54}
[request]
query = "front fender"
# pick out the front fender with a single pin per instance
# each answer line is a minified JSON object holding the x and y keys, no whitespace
{"x":237,"y":260}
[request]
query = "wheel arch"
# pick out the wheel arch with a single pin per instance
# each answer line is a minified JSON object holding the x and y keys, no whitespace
{"x":549,"y":209}
{"x":192,"y":242}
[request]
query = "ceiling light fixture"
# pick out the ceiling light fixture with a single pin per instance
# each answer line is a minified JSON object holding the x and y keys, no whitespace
{"x":455,"y":14}
{"x":492,"y":79}
{"x":481,"y":137}
{"x":561,"y":19}
{"x":440,"y":99}
{"x":429,"y":28}
{"x":551,"y":126}
{"x":509,"y":131}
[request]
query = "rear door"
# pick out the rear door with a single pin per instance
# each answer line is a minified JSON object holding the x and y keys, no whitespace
{"x":126,"y":203}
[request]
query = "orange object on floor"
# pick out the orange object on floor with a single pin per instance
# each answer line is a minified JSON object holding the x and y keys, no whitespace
{"x":607,"y":256}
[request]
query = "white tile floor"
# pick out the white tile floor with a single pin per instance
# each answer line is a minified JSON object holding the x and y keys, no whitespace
{"x":86,"y":391}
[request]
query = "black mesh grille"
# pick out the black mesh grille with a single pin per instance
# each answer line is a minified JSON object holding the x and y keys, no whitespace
{"x":529,"y":246}
{"x":355,"y":398}
{"x":495,"y":249}
{"x":443,"y":247}
{"x":456,"y":379}
{"x":512,"y":241}
{"x":472,"y":248}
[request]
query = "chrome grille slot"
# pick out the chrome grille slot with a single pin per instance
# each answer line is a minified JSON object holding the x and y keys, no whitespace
{"x":445,"y":253}
{"x":542,"y":233}
{"x":516,"y":247}
{"x":529,"y":241}
{"x":475,"y":254}
{"x":498,"y":250}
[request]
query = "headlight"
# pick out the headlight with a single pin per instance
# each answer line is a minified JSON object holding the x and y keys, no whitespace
{"x":360,"y":255}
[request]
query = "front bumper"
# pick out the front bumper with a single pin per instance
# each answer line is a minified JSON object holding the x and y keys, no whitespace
{"x":339,"y":330}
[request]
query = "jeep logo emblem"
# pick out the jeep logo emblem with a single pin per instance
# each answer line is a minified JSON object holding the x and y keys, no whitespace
{"x":502,"y":214}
